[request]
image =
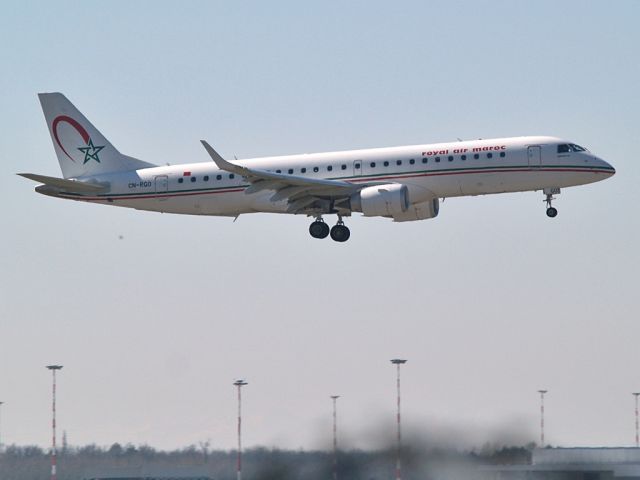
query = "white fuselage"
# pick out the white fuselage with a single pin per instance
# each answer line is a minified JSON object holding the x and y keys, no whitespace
{"x":477,"y":167}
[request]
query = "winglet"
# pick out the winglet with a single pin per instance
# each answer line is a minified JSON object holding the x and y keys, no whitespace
{"x":221,"y":162}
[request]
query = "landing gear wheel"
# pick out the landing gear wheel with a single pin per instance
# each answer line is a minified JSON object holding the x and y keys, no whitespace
{"x":319,"y":229}
{"x":340,"y":233}
{"x":548,"y":192}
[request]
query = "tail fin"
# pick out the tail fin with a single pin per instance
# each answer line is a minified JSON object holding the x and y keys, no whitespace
{"x":81,"y":149}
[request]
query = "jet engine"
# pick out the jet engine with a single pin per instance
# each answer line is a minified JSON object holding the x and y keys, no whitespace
{"x":393,"y":201}
{"x":381,"y":200}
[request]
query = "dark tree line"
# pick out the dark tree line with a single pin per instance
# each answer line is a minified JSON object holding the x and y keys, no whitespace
{"x":76,"y":463}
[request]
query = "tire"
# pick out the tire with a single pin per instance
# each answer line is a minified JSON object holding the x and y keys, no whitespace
{"x":552,"y":212}
{"x":340,"y":233}
{"x":319,"y":230}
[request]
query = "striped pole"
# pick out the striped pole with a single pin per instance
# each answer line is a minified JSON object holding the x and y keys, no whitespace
{"x":239,"y":384}
{"x":542,"y":392}
{"x":397,"y":362}
{"x":53,"y":369}
{"x":635,"y":394}
{"x":335,"y":437}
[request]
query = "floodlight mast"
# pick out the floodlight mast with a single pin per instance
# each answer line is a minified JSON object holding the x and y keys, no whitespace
{"x":542,"y":393}
{"x":635,"y":394}
{"x":335,"y":437}
{"x":54,"y":473}
{"x":397,"y":362}
{"x":239,"y":384}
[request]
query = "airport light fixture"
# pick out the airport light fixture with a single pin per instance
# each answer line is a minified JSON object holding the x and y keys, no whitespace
{"x":635,"y":394}
{"x":239,"y":383}
{"x":54,"y":369}
{"x":542,"y":393}
{"x":398,"y":362}
{"x":334,"y":398}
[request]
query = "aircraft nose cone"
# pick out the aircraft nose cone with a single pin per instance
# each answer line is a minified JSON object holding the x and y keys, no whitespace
{"x":607,"y":167}
{"x":612,"y":170}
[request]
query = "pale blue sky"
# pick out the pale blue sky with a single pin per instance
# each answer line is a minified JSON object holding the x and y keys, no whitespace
{"x":489,"y":302}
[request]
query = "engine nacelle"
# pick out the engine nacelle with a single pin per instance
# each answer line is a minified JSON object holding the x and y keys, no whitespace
{"x":392,"y":201}
{"x":381,"y":200}
{"x":420,"y":211}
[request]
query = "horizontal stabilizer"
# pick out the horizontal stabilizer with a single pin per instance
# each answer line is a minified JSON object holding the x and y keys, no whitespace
{"x":66,"y":185}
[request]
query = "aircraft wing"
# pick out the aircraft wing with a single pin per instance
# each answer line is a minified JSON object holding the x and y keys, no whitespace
{"x":300,"y":192}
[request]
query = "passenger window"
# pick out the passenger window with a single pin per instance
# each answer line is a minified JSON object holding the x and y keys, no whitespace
{"x":290,"y":171}
{"x":502,"y":154}
{"x":303,"y":170}
{"x":206,"y":178}
{"x":437,"y":159}
{"x":180,"y":180}
{"x":476,"y":156}
{"x":218,"y":177}
{"x":358,"y":166}
{"x":193,"y":179}
{"x":372,"y":164}
{"x":316,"y":169}
{"x":231,"y":175}
{"x":450,"y":158}
{"x":425,"y":160}
{"x":386,"y":164}
{"x":412,"y":161}
{"x":329,"y":168}
{"x":344,"y":167}
{"x":398,"y":162}
{"x":278,"y":171}
{"x":489,"y":155}
{"x":463,"y":157}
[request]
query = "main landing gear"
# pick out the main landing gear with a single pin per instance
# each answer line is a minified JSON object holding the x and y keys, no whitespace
{"x":551,"y":211}
{"x":339,"y":232}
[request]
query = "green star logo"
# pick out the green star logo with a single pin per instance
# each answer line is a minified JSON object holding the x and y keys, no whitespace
{"x":90,"y":152}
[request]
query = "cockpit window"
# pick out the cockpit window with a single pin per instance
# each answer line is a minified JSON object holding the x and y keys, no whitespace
{"x":571,"y":147}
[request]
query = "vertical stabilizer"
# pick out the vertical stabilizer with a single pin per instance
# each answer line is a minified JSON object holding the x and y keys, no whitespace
{"x":81,"y":149}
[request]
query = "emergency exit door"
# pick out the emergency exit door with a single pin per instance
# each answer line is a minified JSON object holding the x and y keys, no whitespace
{"x":162,"y":186}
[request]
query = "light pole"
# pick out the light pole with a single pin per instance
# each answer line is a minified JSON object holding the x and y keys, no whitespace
{"x":397,"y":362}
{"x":239,"y":384}
{"x":1,"y":403}
{"x":53,"y":369}
{"x":635,"y":394}
{"x":542,"y":392}
{"x":335,"y":437}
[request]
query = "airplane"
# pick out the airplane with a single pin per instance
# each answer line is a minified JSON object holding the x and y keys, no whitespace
{"x":400,"y":183}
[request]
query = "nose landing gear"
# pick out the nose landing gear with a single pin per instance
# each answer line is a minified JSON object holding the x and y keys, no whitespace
{"x":549,"y":192}
{"x":339,"y":232}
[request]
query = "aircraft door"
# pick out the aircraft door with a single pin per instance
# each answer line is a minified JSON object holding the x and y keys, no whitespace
{"x":357,"y":168}
{"x":162,"y":186}
{"x":534,"y":155}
